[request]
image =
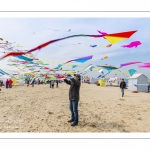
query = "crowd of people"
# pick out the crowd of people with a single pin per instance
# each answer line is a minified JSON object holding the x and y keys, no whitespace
{"x":8,"y":83}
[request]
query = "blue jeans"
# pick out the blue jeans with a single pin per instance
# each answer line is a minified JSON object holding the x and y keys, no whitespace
{"x":74,"y":110}
{"x":122,"y":90}
{"x":7,"y":86}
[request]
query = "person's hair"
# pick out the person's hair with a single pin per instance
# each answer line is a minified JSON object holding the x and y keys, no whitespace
{"x":122,"y":79}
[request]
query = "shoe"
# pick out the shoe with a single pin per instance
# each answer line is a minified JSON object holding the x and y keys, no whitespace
{"x":74,"y":124}
{"x":70,"y":121}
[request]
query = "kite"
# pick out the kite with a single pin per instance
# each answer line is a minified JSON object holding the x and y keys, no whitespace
{"x":147,"y":63}
{"x":132,"y":44}
{"x":145,"y":66}
{"x":132,"y":72}
{"x":60,"y":76}
{"x":87,"y":69}
{"x":74,"y":66}
{"x":53,"y":41}
{"x":129,"y":63}
{"x":93,"y":45}
{"x":117,"y":37}
{"x":24,"y":58}
{"x":107,"y":46}
{"x":103,"y":33}
{"x":112,"y":38}
{"x":109,"y":67}
{"x":105,"y":57}
{"x":82,"y":59}
{"x":59,"y":65}
{"x":12,"y":54}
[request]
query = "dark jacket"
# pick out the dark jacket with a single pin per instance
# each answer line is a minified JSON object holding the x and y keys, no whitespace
{"x":74,"y":92}
{"x":122,"y":85}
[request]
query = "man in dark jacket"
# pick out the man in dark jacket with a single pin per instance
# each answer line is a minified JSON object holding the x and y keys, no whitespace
{"x":122,"y":86}
{"x":74,"y":97}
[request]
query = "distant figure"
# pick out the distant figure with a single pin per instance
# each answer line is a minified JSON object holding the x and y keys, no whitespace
{"x":28,"y":82}
{"x":38,"y":81}
{"x":122,"y":86}
{"x":1,"y":83}
{"x":7,"y":83}
{"x":33,"y":81}
{"x":57,"y":83}
{"x":10,"y":83}
{"x":52,"y":82}
{"x":118,"y":82}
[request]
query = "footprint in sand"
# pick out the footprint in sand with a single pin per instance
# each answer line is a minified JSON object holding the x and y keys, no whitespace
{"x":139,"y":118}
{"x":122,"y":99}
{"x":50,"y":113}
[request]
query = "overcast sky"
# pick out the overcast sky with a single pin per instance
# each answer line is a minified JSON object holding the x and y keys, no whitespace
{"x":21,"y":30}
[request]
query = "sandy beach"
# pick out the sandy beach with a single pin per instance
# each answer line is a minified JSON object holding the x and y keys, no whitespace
{"x":101,"y":109}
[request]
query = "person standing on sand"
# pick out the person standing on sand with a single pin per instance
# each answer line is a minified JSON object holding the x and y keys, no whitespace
{"x":50,"y":84}
{"x":122,"y":86}
{"x":57,"y":83}
{"x":33,"y":82}
{"x":7,"y":83}
{"x":1,"y":83}
{"x":74,"y":97}
{"x":10,"y":83}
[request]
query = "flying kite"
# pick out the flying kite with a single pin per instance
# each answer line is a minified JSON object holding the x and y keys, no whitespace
{"x":82,"y":59}
{"x":13,"y":54}
{"x":24,"y":58}
{"x":132,"y":72}
{"x":145,"y":66}
{"x":108,"y":67}
{"x":103,"y":33}
{"x":129,"y":63}
{"x":105,"y":57}
{"x":112,"y":38}
{"x":74,"y":66}
{"x":132,"y":44}
{"x":116,"y":37}
{"x":147,"y":63}
{"x":87,"y":69}
{"x":93,"y":45}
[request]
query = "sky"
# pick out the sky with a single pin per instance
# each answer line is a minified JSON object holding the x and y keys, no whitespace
{"x":21,"y":30}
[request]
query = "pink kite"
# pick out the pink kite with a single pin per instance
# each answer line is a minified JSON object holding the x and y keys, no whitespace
{"x":47,"y":68}
{"x":132,"y":44}
{"x":60,"y":76}
{"x":147,"y":63}
{"x":103,"y":33}
{"x":129,"y":63}
{"x":144,"y":66}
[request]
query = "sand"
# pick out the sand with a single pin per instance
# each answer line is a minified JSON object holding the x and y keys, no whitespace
{"x":101,"y":109}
